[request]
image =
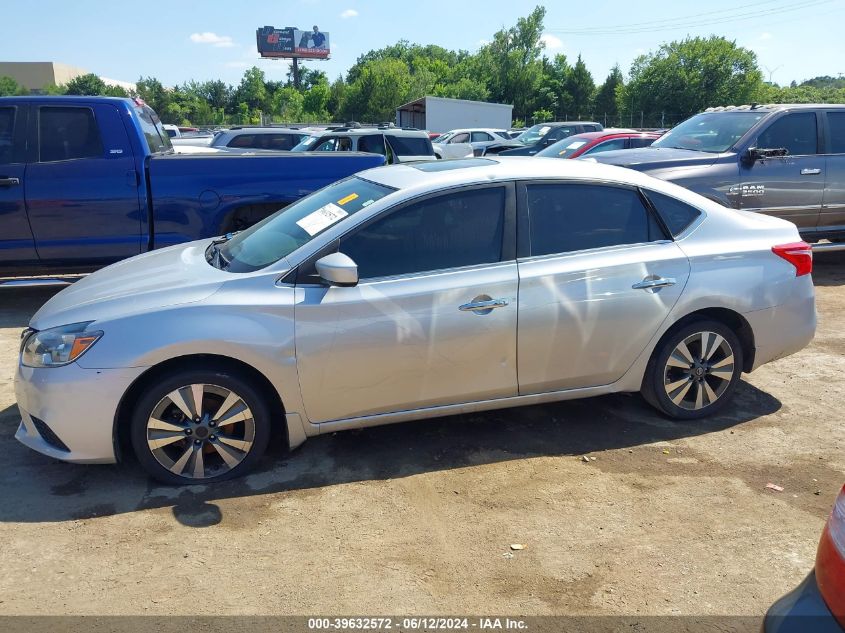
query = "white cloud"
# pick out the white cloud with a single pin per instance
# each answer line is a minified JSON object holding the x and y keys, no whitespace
{"x":349,"y":13}
{"x":218,"y":41}
{"x":765,"y":36}
{"x":551,"y":41}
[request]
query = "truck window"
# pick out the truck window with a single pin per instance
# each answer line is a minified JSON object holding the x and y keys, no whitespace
{"x":836,"y":125}
{"x":157,"y":139}
{"x":242,"y":140}
{"x":7,"y":126}
{"x":796,"y":132}
{"x":410,"y":145}
{"x":710,"y":131}
{"x":68,"y":133}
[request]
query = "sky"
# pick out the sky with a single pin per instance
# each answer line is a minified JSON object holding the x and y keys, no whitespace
{"x":177,"y":41}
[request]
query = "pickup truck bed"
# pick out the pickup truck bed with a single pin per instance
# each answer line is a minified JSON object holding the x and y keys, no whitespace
{"x":87,"y":181}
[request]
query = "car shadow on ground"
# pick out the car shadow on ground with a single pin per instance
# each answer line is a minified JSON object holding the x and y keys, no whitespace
{"x":34,"y":488}
{"x":829,"y":269}
{"x":17,"y":305}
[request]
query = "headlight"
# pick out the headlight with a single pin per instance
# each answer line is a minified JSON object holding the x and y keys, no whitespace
{"x":57,"y":346}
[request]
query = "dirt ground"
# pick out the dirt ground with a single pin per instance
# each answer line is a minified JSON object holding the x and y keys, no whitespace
{"x":417,"y":518}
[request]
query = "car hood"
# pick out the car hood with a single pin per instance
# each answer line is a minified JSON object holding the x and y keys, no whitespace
{"x":655,"y":158}
{"x":167,"y":277}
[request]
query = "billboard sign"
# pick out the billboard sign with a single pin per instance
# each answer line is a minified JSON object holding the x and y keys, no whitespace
{"x":291,"y":42}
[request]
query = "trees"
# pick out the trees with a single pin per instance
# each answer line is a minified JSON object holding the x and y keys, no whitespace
{"x":89,"y":84}
{"x":684,"y":77}
{"x":9,"y":87}
{"x":604,"y":102}
{"x":512,"y":62}
{"x":580,"y":87}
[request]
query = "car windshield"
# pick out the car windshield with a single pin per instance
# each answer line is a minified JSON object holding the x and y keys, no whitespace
{"x":443,"y":137}
{"x":563,"y":148}
{"x":286,"y":230}
{"x":305,"y":144}
{"x":533,"y":134}
{"x":709,"y":131}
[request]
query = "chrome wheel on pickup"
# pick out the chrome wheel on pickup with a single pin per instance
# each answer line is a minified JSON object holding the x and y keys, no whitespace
{"x":200,"y":427}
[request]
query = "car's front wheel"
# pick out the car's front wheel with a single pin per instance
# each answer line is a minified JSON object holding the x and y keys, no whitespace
{"x":694,"y":370}
{"x":199,"y":426}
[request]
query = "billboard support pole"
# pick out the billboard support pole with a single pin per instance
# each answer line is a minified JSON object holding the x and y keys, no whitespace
{"x":296,"y":73}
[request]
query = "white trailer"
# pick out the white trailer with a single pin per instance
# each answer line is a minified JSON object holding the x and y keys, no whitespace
{"x":438,"y":114}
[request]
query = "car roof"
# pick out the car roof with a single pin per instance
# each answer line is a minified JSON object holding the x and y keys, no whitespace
{"x":774,"y":107}
{"x":435,"y":175}
{"x":560,"y":123}
{"x":609,"y":132}
{"x":360,"y":131}
{"x":265,"y":130}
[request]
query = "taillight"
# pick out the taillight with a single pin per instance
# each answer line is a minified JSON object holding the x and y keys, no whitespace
{"x":799,"y":254}
{"x":830,"y":560}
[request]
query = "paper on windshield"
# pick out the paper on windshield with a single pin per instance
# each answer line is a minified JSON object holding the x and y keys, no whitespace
{"x":322,"y":218}
{"x":576,"y":144}
{"x":544,"y":129}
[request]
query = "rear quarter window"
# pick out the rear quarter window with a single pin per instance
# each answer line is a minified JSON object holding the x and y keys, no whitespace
{"x":677,"y":215}
{"x":410,"y":145}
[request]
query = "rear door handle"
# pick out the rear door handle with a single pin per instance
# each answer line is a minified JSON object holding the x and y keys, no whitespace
{"x":811,"y":172}
{"x":484,"y":306}
{"x":9,"y":182}
{"x":660,"y":282}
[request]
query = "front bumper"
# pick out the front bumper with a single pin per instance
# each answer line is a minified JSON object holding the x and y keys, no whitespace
{"x":77,"y":405}
{"x":802,"y":610}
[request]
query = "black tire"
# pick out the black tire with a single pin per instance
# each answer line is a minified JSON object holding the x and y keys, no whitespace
{"x":658,"y":374}
{"x":215,"y":383}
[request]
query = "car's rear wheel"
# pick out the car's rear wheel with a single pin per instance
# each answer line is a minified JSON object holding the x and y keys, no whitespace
{"x":694,"y":370}
{"x":200,"y":426}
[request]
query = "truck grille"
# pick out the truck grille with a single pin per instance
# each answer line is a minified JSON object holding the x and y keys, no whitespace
{"x":48,"y":435}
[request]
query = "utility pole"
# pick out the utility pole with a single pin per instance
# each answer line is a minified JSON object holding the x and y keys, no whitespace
{"x":296,"y":73}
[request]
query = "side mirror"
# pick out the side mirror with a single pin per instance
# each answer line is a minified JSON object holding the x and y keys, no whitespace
{"x":338,"y":269}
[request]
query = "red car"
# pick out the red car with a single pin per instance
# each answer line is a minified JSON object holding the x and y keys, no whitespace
{"x":604,"y":141}
{"x":817,"y":605}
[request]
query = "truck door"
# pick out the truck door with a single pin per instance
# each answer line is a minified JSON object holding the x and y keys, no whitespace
{"x":832,"y":217}
{"x":788,"y":187}
{"x":82,"y":191}
{"x":17,"y":248}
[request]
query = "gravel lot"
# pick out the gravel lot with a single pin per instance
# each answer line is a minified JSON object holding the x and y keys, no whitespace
{"x":417,"y":518}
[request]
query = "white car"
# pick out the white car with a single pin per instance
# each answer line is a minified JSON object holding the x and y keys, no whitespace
{"x":409,"y":292}
{"x":477,"y":138}
{"x":398,"y":145}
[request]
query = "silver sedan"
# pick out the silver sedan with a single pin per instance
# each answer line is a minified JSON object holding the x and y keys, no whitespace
{"x":411,"y":292}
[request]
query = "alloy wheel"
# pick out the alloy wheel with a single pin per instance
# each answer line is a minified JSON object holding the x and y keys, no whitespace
{"x":699,"y":370}
{"x":200,"y":431}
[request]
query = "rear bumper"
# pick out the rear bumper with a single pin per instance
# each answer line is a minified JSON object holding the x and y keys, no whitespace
{"x":787,"y":328}
{"x":68,"y":412}
{"x":802,"y":610}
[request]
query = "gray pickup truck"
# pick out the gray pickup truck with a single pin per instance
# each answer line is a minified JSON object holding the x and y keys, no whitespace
{"x":782,"y":160}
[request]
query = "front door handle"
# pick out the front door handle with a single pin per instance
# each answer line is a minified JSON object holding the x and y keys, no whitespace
{"x":659,"y":282}
{"x":811,"y":172}
{"x":481,"y":305}
{"x":9,"y":182}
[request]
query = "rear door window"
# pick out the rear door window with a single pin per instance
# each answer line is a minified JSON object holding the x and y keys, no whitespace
{"x":795,"y":132}
{"x":373,"y":143}
{"x":410,"y":145}
{"x":571,"y":217}
{"x":158,"y":140}
{"x":7,"y":129}
{"x":836,"y":125}
{"x":68,"y":133}
{"x":243,"y":140}
{"x":462,"y":228}
{"x":481,"y":137}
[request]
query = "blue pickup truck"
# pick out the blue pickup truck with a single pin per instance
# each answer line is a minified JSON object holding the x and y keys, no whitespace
{"x":87,"y":181}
